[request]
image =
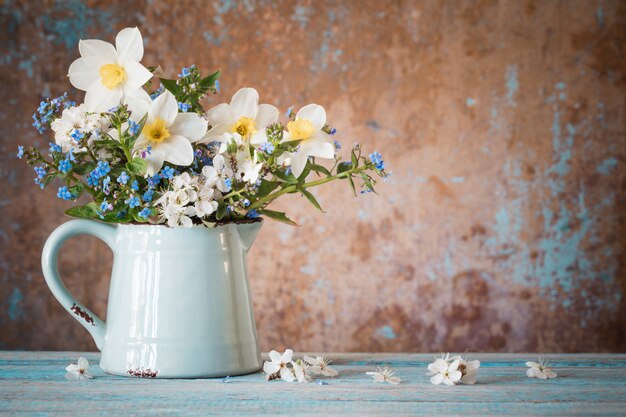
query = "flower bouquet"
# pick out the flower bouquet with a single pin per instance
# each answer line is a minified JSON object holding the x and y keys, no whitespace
{"x":151,"y":159}
{"x":144,"y":150}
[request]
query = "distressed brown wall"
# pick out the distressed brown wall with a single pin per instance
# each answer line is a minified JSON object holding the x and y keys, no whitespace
{"x":501,"y":229}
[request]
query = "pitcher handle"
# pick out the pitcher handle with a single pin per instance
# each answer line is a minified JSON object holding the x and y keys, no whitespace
{"x":49,"y":258}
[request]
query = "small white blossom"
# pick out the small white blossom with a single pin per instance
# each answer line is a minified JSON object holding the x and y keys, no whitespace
{"x":276,"y":367}
{"x":468,"y":369}
{"x":540,"y":370}
{"x":301,"y":370}
{"x":442,"y":370}
{"x":188,"y":196}
{"x":319,"y":366}
{"x":78,"y":370}
{"x":384,"y":375}
{"x":80,"y":123}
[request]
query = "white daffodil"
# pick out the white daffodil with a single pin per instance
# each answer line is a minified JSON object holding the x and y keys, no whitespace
{"x":384,"y":375}
{"x":78,"y":370}
{"x":540,"y":370}
{"x":219,"y":174}
{"x":468,"y":369}
{"x":442,"y":370}
{"x":168,"y":132}
{"x":277,"y":366}
{"x":109,"y":73}
{"x":244,"y":115}
{"x":301,"y":370}
{"x":307,"y":127}
{"x":319,"y":366}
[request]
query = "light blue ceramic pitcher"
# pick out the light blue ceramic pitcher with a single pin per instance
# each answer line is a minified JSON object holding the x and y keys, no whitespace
{"x":179,"y":301}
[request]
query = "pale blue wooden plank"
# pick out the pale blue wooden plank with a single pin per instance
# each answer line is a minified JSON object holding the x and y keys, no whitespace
{"x":33,"y":384}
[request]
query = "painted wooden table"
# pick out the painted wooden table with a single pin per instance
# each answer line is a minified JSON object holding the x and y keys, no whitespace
{"x":33,"y":383}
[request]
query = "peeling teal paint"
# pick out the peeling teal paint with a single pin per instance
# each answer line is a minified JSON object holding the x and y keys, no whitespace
{"x":607,"y":166}
{"x":68,"y":21}
{"x":15,"y":310}
{"x":301,"y":15}
{"x":469,"y":102}
{"x":600,"y":17}
{"x":386,"y":332}
{"x":512,"y":84}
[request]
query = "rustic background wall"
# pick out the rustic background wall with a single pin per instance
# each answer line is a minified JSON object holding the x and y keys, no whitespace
{"x":501,"y":229}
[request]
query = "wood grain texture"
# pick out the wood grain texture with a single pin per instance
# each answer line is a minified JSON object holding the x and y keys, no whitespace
{"x":33,"y":383}
{"x":502,"y":228}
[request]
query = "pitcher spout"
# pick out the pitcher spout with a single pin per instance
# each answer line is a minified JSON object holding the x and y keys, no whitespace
{"x":248,"y":232}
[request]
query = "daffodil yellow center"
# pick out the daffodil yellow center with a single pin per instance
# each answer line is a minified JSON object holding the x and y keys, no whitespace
{"x":244,"y":126}
{"x":112,"y":75}
{"x":300,"y":129}
{"x":156,"y":132}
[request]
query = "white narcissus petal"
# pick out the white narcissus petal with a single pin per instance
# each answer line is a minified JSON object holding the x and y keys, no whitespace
{"x":190,"y":125}
{"x":266,"y":115}
{"x":220,"y":114}
{"x":98,"y":98}
{"x":259,"y":137}
{"x":129,"y":45}
{"x":82,"y":75}
{"x":139,"y":93}
{"x":177,"y":150}
{"x":216,"y":133}
{"x":136,"y":75}
{"x":298,"y":162}
{"x":138,"y":107}
{"x":164,"y":107}
{"x":97,"y":51}
{"x":318,"y":149}
{"x":314,"y":113}
{"x":245,"y":103}
{"x":154,"y":161}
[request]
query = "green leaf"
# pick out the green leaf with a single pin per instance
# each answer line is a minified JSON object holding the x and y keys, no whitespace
{"x":83,"y":212}
{"x":137,"y":166}
{"x":171,"y":86}
{"x":343,"y":167}
{"x":221,"y":212}
{"x":137,"y":217}
{"x":290,"y":144}
{"x":320,"y":169}
{"x":77,"y":190}
{"x":48,"y":178}
{"x":209,"y":81}
{"x":278,"y":216}
{"x":311,"y":199}
{"x":352,"y":185}
{"x":84,"y":168}
{"x":290,"y":179}
{"x":354,"y":158}
{"x":267,"y":187}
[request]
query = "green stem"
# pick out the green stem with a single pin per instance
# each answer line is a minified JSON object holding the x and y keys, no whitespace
{"x":268,"y":198}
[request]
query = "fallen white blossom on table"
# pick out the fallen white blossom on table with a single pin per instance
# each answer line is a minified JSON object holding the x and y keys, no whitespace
{"x":539,"y":370}
{"x":301,"y":370}
{"x":277,"y":368}
{"x":78,"y":370}
{"x":384,"y":375}
{"x":445,"y":370}
{"x":319,"y":366}
{"x":468,"y":369}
